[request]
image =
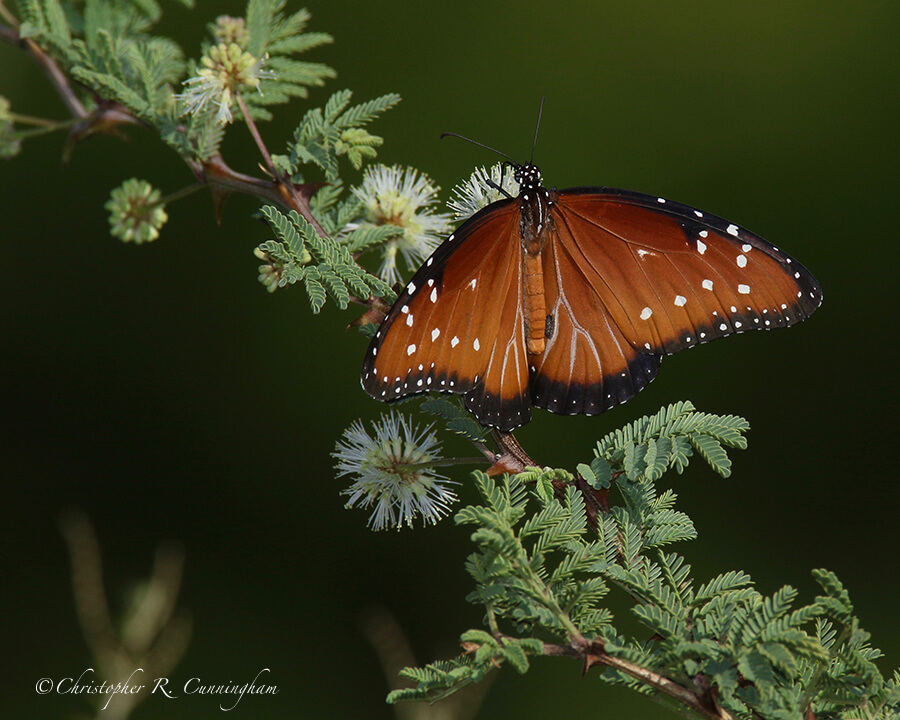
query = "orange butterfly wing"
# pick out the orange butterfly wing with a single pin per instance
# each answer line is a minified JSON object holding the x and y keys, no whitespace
{"x":672,"y":276}
{"x":627,"y":278}
{"x":588,"y":365}
{"x":630,"y":277}
{"x":458,"y":325}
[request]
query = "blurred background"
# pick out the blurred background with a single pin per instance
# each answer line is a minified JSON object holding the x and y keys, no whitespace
{"x":160,"y":390}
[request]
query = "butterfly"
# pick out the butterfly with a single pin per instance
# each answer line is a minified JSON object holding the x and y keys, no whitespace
{"x":567,"y":300}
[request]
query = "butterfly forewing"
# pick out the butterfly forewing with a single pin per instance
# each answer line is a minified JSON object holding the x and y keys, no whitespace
{"x":457,"y":326}
{"x":672,"y":276}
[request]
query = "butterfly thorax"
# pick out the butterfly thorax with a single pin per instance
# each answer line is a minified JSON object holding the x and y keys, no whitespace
{"x":534,"y":210}
{"x":535,"y":224}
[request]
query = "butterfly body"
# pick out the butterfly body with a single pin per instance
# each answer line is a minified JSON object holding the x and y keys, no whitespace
{"x":568,"y":299}
{"x":535,"y":224}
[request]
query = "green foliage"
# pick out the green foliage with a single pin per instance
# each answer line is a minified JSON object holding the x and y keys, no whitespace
{"x":340,"y":218}
{"x":541,"y":569}
{"x":106,"y":47}
{"x":10,"y":141}
{"x":439,"y":679}
{"x":325,"y":267}
{"x":648,"y":447}
{"x":326,"y":134}
{"x":457,"y":418}
{"x":279,"y":36}
{"x":46,"y":21}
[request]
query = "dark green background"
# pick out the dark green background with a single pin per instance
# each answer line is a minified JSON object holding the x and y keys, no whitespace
{"x":162,"y":390}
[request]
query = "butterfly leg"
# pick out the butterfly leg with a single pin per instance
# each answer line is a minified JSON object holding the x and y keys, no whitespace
{"x":499,"y":186}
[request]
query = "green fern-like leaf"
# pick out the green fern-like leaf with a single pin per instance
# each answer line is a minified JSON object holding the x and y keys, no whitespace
{"x":458,"y":420}
{"x":369,"y":236}
{"x":46,"y":21}
{"x":325,"y":267}
{"x":648,"y":447}
{"x":315,"y":290}
{"x":326,"y":134}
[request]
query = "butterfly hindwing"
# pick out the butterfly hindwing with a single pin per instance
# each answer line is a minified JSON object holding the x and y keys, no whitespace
{"x":588,"y":366}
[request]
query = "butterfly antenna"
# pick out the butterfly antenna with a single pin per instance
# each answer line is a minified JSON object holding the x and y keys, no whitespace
{"x":538,"y":127}
{"x":486,"y":147}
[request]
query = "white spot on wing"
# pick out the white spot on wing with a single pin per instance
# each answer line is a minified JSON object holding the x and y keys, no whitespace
{"x":743,"y":289}
{"x":435,"y":334}
{"x":707,"y":284}
{"x":701,"y":247}
{"x":646,"y":313}
{"x":732,"y":230}
{"x":741,"y":261}
{"x":411,"y":288}
{"x":409,"y":320}
{"x":473,"y":283}
{"x":410,"y":350}
{"x":680,"y":300}
{"x":454,"y":342}
{"x":476,"y":344}
{"x":434,"y":295}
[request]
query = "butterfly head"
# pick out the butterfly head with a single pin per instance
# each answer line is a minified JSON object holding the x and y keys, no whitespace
{"x":529,"y":177}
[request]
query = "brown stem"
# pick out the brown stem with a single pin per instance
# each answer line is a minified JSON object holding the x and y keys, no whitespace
{"x":8,"y":16}
{"x":254,"y":132}
{"x":57,"y":77}
{"x":296,"y":200}
{"x":510,"y":446}
{"x":594,"y":654}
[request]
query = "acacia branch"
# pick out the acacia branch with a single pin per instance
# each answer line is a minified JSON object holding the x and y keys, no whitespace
{"x":58,"y":78}
{"x":594,"y":654}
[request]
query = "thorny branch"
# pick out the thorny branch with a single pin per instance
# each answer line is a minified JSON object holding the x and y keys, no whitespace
{"x":594,"y":654}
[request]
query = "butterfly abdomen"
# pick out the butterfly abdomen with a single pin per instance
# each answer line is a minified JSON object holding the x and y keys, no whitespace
{"x":535,"y":304}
